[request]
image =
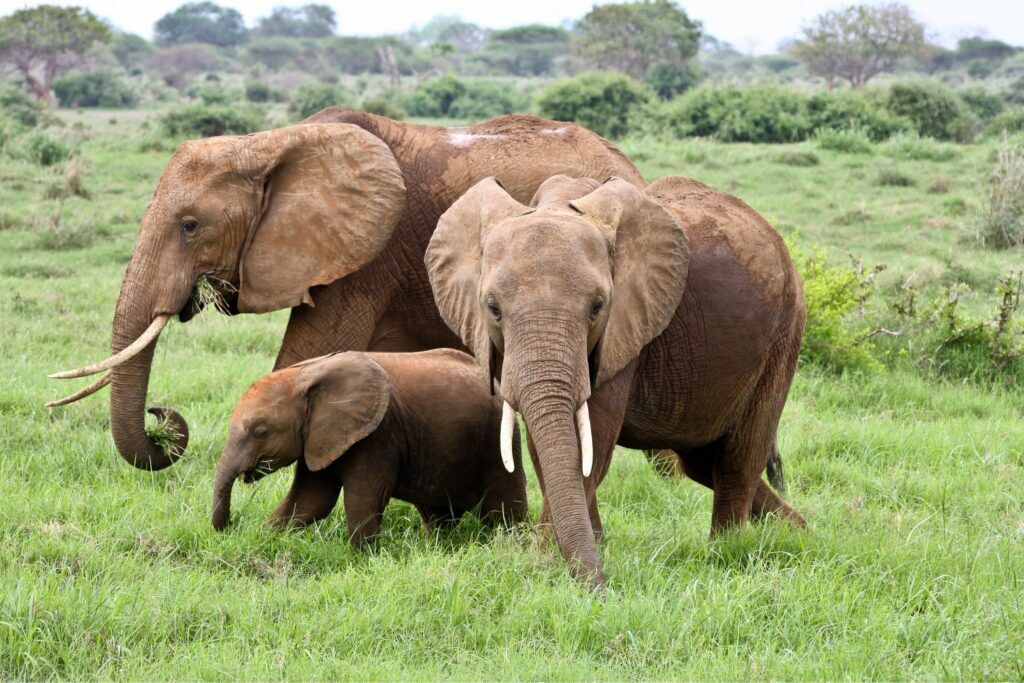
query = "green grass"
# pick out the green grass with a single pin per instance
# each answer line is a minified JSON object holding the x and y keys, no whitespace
{"x":911,"y":568}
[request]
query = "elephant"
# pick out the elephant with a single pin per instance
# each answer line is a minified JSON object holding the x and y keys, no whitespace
{"x":669,"y":317}
{"x":330,"y":217}
{"x":421,"y":427}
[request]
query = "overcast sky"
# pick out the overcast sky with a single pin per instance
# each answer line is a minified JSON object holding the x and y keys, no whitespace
{"x":755,"y":27}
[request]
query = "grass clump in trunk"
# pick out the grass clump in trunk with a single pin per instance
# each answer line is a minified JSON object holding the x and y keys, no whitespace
{"x":1001,"y":222}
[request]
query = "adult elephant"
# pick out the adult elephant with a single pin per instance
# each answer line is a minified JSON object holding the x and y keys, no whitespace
{"x":670,"y":318}
{"x":331,"y":218}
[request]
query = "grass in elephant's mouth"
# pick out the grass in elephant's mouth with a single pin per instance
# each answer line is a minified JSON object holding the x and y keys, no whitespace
{"x":205,"y":294}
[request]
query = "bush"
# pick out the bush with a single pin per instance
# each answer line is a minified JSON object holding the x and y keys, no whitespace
{"x":847,"y":109}
{"x":734,"y":114}
{"x":836,"y":336}
{"x":1001,"y":222}
{"x":894,"y":177}
{"x":982,"y":103}
{"x":482,"y":100}
{"x":100,"y":89}
{"x":933,"y":109}
{"x":310,"y":98}
{"x":913,"y":147}
{"x":257,"y":91}
{"x":19,"y":106}
{"x":1008,"y":122}
{"x":435,"y":97}
{"x":198,"y":121}
{"x":603,"y":102}
{"x":845,"y":140}
{"x":1015,"y":91}
{"x":382,"y":106}
{"x":980,"y":68}
{"x":668,"y":80}
{"x":44,"y":149}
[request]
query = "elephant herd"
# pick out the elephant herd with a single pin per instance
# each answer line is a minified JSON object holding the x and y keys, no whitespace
{"x":603,"y":310}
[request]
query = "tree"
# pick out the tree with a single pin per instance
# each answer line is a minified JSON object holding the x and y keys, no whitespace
{"x":177,"y":64}
{"x":859,"y":42}
{"x":629,"y":37}
{"x":129,"y":49}
{"x":970,"y":49}
{"x":308,"y":21}
{"x":529,"y":50}
{"x":43,"y":42}
{"x":201,"y":22}
{"x":462,"y":35}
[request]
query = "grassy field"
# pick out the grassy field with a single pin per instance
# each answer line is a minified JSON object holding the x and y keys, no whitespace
{"x":911,"y":568}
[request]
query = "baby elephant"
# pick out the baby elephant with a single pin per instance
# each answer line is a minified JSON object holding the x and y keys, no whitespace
{"x":420,"y":427}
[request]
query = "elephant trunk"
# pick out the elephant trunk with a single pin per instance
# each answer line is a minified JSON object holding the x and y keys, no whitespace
{"x":136,"y":309}
{"x":222,"y":484}
{"x":546,"y":375}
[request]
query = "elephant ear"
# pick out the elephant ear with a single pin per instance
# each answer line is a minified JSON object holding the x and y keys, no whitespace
{"x":347,"y":396}
{"x":652,"y":255}
{"x":332,"y":195}
{"x":453,"y":260}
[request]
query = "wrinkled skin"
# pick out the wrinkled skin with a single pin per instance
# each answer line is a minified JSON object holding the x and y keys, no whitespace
{"x":420,"y":427}
{"x":331,"y":218}
{"x":675,"y":313}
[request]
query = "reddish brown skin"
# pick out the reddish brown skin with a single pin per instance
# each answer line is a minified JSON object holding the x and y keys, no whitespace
{"x":435,"y":447}
{"x":385,"y":304}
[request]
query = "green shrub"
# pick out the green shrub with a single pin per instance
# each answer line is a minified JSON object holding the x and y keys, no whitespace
{"x":198,"y":121}
{"x":933,"y":109}
{"x":482,"y":100}
{"x":99,"y":89}
{"x":382,"y":106}
{"x":603,"y":102}
{"x":894,"y":177}
{"x":310,"y":98}
{"x":260,"y":92}
{"x":213,"y":95}
{"x":980,"y":68}
{"x":435,"y":97}
{"x":913,"y":147}
{"x":42,"y":148}
{"x":798,"y":158}
{"x":1011,"y":121}
{"x":1001,"y":220}
{"x":982,"y":103}
{"x":668,"y":80}
{"x":845,"y":140}
{"x":1015,"y":91}
{"x":735,"y":114}
{"x":17,"y":105}
{"x":836,"y":336}
{"x":846,"y":109}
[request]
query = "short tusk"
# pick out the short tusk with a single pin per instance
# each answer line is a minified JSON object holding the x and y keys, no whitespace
{"x":508,"y":425}
{"x":586,"y":439}
{"x":151,"y":333}
{"x":91,"y":389}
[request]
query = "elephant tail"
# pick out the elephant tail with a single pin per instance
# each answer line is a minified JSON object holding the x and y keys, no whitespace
{"x":776,"y":477}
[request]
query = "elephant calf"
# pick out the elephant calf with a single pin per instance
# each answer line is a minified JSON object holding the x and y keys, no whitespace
{"x":420,"y":427}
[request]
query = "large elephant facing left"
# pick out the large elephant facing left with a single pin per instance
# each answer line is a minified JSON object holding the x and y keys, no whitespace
{"x":331,"y":218}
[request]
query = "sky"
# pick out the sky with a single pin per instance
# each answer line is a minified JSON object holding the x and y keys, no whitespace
{"x":751,"y":27}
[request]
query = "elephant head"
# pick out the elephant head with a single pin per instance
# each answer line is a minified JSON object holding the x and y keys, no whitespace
{"x":264,"y":217}
{"x":554,"y":299}
{"x":315,"y":410}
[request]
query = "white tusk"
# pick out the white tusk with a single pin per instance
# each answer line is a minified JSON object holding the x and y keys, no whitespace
{"x":508,"y":423}
{"x":91,"y":389}
{"x":586,"y":439}
{"x":151,"y":333}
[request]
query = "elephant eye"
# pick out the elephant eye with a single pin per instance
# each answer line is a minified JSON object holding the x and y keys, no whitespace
{"x":189,"y":225}
{"x":493,"y":309}
{"x":260,"y":432}
{"x":596,"y":308}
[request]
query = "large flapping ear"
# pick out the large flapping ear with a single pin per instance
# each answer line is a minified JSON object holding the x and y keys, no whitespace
{"x":652,"y":256}
{"x":347,"y":396}
{"x":332,"y":195}
{"x":453,"y":260}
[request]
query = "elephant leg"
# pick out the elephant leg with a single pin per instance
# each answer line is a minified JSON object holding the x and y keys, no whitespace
{"x":312,"y":497}
{"x":697,"y":466}
{"x":437,"y":520}
{"x":364,"y":514}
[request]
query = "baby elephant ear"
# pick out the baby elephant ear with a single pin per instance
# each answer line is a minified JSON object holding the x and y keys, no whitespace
{"x":453,"y":260}
{"x":346,"y":397}
{"x":652,"y":257}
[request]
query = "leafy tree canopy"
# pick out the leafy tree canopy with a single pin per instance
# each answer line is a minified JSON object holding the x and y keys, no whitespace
{"x":201,"y":22}
{"x":308,"y":21}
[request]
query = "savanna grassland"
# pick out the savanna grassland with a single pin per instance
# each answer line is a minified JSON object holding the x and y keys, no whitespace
{"x":911,"y":479}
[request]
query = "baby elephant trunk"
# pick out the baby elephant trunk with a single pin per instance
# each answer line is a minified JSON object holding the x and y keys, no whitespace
{"x":222,"y":483}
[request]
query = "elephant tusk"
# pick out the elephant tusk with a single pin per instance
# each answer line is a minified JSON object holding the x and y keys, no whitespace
{"x":151,"y":333}
{"x":91,"y":389}
{"x":586,"y":439}
{"x":508,"y":423}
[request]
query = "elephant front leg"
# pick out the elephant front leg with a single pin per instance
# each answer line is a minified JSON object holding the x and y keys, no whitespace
{"x":312,"y":497}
